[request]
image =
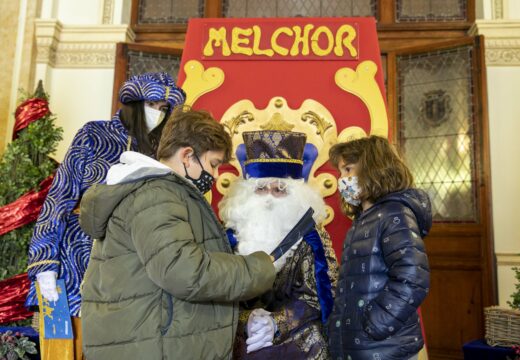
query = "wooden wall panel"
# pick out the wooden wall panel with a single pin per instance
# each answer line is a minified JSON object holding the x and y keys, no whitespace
{"x":452,"y":311}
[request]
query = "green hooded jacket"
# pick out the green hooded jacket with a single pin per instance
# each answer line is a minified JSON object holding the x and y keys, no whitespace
{"x":162,"y":282}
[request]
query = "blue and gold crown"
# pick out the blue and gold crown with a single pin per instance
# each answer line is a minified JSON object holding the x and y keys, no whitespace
{"x":274,"y":153}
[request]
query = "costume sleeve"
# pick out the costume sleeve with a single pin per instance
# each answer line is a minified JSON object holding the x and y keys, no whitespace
{"x":165,"y":244}
{"x":408,"y":272}
{"x":330,"y":255}
{"x":303,"y":306}
{"x":62,"y":199}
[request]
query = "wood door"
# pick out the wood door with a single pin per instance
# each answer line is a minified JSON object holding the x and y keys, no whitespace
{"x":437,"y":100}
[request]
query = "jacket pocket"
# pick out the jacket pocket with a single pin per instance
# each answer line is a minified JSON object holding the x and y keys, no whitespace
{"x":169,"y":314}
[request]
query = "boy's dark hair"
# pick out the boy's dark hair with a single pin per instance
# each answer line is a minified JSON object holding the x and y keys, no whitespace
{"x":194,"y":128}
{"x":380,"y":168}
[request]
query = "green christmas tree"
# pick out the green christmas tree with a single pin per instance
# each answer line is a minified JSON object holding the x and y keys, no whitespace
{"x":515,"y":304}
{"x":23,"y":166}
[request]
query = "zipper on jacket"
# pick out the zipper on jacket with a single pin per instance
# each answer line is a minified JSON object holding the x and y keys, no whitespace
{"x":164,"y":330}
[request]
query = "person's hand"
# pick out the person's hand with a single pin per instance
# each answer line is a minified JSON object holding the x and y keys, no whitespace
{"x":280,"y":262}
{"x":47,"y":283}
{"x":261,"y":328}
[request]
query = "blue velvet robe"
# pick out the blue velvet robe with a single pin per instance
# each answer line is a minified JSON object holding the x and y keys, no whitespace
{"x":295,"y":306}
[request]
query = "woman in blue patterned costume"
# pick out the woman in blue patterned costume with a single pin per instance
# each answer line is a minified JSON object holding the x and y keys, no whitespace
{"x":59,"y":248}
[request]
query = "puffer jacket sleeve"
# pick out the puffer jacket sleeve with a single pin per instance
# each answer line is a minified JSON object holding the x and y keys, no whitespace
{"x":408,"y":272}
{"x":165,"y":244}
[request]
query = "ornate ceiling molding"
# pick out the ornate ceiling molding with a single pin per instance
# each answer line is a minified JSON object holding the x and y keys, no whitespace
{"x":68,"y":46}
{"x":502,"y":41}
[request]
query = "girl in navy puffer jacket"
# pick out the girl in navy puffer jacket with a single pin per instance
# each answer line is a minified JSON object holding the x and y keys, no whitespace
{"x":384,"y":275}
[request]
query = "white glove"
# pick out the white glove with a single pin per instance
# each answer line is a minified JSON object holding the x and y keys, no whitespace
{"x":261,"y":328}
{"x":47,"y":283}
{"x":280,"y":262}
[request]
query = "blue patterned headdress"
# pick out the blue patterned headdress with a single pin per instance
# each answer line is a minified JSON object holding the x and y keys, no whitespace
{"x":152,"y":87}
{"x":274,"y":153}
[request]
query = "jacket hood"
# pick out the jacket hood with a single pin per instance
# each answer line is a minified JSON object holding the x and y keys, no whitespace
{"x":100,"y":201}
{"x":134,"y":166}
{"x":419,"y":202}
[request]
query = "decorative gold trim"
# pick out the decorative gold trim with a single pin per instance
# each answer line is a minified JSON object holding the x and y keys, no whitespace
{"x":199,"y":81}
{"x":281,"y":160}
{"x":233,"y":125}
{"x":322,"y":134}
{"x":329,"y":217}
{"x":314,"y":119}
{"x":208,"y":196}
{"x":43,"y":262}
{"x":362,"y":83}
{"x":277,"y":122}
{"x":351,"y":133}
{"x":224,"y":182}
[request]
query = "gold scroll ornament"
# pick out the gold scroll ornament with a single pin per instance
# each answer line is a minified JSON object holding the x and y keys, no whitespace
{"x":362,"y":83}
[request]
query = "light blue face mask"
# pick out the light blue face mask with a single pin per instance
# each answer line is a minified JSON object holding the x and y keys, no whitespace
{"x":350,"y":190}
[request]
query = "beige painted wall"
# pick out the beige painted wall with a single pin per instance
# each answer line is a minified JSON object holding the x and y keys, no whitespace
{"x":504,"y":128}
{"x":9,"y":11}
{"x":512,"y":9}
{"x":79,"y":12}
{"x":499,"y":22}
{"x":78,"y":96}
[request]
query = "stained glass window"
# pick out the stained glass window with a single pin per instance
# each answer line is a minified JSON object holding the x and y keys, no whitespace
{"x":169,"y":11}
{"x":437,"y":130}
{"x":431,"y":10}
{"x":140,"y":62}
{"x":290,"y":8}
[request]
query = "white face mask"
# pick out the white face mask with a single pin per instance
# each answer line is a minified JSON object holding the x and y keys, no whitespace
{"x":153,"y":117}
{"x":350,"y":190}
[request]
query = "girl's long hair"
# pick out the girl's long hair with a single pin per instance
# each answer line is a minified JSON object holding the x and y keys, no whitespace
{"x":381,"y":170}
{"x":133,"y":118}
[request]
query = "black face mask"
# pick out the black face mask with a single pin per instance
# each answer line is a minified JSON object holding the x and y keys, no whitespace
{"x":205,"y":180}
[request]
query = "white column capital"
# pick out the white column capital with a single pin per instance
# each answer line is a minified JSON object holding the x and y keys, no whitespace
{"x":502,"y":41}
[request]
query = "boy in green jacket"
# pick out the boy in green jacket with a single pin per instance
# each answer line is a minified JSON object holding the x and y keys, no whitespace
{"x":162,"y":282}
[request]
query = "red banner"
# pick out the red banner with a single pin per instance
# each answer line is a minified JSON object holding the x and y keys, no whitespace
{"x":28,"y":112}
{"x":13,"y":292}
{"x":25,"y":209}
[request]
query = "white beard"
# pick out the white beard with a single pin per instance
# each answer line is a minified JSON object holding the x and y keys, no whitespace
{"x":261,"y":222}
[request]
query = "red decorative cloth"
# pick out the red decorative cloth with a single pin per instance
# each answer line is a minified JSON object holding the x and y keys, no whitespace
{"x":25,"y":209}
{"x":13,"y":292}
{"x":28,"y":112}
